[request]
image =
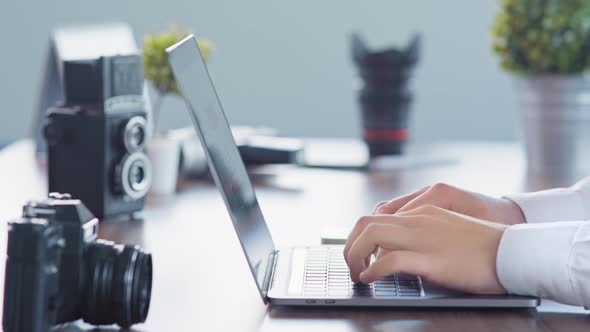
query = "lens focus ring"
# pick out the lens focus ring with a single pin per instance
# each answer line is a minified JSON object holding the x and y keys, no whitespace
{"x":118,"y":284}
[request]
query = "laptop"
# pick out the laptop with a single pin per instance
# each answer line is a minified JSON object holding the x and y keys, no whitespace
{"x":300,"y":276}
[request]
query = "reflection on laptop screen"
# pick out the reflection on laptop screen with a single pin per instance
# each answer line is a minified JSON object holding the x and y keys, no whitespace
{"x":225,"y":162}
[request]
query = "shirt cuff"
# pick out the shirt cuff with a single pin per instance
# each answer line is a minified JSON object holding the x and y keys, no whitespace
{"x":533,"y":259}
{"x":551,"y":205}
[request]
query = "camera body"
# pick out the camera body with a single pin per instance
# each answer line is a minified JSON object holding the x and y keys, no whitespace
{"x":57,"y":271}
{"x":34,"y":250}
{"x":96,"y":140}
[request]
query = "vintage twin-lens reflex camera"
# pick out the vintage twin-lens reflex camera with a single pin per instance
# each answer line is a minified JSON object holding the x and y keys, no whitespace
{"x":96,"y":140}
{"x":57,"y":271}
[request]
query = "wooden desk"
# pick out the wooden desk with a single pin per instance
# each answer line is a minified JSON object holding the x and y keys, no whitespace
{"x":202,"y":282}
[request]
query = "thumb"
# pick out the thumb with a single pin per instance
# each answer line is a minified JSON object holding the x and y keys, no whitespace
{"x":394,"y":262}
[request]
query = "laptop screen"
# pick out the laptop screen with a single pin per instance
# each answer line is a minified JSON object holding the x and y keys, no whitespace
{"x":225,"y":163}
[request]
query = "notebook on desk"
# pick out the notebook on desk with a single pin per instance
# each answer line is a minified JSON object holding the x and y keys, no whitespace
{"x":306,"y":276}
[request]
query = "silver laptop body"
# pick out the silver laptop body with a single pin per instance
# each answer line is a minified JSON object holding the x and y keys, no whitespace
{"x":311,"y":276}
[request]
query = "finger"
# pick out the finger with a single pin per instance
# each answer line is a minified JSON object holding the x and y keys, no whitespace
{"x":440,"y":195}
{"x":395,"y":262}
{"x":388,"y":236}
{"x":356,"y":230}
{"x":380,"y":204}
{"x":425,"y":214}
{"x":421,"y":212}
{"x":360,"y":226}
{"x":395,"y":204}
{"x":382,"y":252}
{"x":418,"y":217}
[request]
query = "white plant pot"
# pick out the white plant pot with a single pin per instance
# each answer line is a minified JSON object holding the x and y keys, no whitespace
{"x":164,"y":154}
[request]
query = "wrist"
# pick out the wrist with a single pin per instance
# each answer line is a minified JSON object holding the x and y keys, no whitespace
{"x":496,"y":286}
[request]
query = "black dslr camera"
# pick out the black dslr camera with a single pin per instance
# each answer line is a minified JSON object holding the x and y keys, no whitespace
{"x":96,"y":140}
{"x":57,"y":271}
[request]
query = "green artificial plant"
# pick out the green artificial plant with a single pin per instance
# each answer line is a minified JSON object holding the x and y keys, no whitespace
{"x":543,"y":36}
{"x":155,"y":62}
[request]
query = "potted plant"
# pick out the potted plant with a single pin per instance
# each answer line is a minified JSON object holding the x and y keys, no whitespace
{"x":546,"y":44}
{"x":164,"y":150}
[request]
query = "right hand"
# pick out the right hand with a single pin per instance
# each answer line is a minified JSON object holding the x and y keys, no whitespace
{"x":443,"y":247}
{"x":499,"y":210}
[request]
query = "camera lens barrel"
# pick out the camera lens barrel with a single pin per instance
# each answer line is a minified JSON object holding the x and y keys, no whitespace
{"x":118,"y":284}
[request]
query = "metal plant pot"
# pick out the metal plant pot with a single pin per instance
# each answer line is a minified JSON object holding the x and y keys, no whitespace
{"x":556,"y":111}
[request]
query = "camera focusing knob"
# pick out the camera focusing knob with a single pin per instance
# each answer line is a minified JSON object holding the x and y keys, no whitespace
{"x":59,"y":196}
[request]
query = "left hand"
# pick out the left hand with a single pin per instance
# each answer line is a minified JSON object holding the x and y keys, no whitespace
{"x":441,"y":246}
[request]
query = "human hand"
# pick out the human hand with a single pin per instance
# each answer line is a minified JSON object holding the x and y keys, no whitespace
{"x":441,"y":246}
{"x":499,"y":210}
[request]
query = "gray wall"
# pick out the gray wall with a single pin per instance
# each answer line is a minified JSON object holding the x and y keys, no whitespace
{"x":286,"y":64}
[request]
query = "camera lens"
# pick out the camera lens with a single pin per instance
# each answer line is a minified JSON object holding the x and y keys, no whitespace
{"x":134,"y":175}
{"x":137,"y":175}
{"x":134,"y":134}
{"x":118,"y":284}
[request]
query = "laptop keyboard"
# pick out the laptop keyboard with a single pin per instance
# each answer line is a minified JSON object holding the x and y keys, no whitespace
{"x":327,"y":275}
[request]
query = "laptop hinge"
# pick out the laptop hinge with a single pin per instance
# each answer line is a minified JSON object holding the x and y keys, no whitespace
{"x":269,"y":273}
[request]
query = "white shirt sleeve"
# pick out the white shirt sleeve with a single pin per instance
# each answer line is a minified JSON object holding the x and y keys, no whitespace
{"x":545,"y":258}
{"x":548,"y":260}
{"x":551,"y":205}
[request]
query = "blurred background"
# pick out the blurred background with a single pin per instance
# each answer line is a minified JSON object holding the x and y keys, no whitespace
{"x":287,"y":64}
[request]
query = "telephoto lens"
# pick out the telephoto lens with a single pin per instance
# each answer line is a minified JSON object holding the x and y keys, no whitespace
{"x":386,"y":97}
{"x":118,"y":284}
